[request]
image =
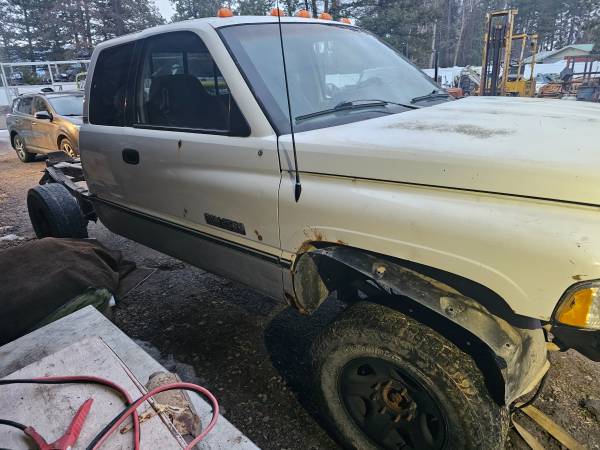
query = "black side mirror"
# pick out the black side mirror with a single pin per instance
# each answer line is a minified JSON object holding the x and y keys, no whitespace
{"x":43,"y":115}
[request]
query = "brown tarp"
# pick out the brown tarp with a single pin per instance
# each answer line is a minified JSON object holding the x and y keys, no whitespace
{"x":40,"y":276}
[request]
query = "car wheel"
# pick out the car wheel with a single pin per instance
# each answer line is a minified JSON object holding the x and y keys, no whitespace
{"x":67,"y":147}
{"x":54,"y":212}
{"x":21,"y":149}
{"x":386,"y":381}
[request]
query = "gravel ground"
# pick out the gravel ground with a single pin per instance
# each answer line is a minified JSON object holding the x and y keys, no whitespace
{"x":252,"y":351}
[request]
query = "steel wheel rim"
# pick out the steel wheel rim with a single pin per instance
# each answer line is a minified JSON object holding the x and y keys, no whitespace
{"x":20,"y":147}
{"x":390,"y":407}
{"x":67,"y":148}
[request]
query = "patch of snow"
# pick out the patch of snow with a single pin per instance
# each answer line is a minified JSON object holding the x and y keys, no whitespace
{"x":11,"y":237}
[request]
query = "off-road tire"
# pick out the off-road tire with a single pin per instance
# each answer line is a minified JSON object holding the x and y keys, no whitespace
{"x":54,"y":212}
{"x":21,"y":149}
{"x":450,"y":376}
{"x":66,"y":146}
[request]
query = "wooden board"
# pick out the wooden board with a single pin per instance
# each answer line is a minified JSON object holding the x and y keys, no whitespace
{"x":50,"y":408}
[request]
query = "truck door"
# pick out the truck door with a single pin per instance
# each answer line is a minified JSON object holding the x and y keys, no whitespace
{"x":186,"y":160}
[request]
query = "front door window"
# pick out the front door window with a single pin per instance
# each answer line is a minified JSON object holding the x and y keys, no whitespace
{"x":181,"y":87}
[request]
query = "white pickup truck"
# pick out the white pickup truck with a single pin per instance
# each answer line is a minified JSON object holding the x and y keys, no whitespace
{"x":464,"y":235}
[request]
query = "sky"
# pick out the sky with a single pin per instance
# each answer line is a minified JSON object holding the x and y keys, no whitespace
{"x":165,"y":8}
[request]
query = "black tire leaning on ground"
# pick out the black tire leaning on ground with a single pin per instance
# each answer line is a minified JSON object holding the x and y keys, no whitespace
{"x":54,"y":212}
{"x":371,"y":332}
{"x":66,"y":146}
{"x":21,"y":149}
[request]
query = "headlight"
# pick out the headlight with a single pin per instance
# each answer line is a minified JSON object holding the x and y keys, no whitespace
{"x":580,"y":306}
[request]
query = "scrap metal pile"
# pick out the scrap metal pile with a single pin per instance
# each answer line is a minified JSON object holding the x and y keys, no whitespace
{"x":585,"y":85}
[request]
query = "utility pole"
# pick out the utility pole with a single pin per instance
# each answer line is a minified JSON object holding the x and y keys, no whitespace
{"x":433,"y":46}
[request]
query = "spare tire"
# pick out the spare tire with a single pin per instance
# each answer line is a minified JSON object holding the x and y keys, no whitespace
{"x":54,"y":212}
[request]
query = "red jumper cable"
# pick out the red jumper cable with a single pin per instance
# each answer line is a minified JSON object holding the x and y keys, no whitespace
{"x":70,"y":437}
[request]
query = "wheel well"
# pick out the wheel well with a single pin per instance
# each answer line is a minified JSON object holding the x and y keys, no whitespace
{"x":12,"y":138}
{"x":341,"y":269}
{"x":336,"y":275}
{"x":60,"y":138}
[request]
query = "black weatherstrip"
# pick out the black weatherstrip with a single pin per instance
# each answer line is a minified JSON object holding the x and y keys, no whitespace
{"x":199,"y":234}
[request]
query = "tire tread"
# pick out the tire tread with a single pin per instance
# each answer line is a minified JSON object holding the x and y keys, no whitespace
{"x":485,"y":424}
{"x":60,"y":209}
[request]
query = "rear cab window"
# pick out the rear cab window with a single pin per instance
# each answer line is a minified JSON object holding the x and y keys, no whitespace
{"x":108,"y":89}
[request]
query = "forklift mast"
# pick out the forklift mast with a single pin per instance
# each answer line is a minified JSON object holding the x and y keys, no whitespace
{"x":503,"y":73}
{"x":497,"y":51}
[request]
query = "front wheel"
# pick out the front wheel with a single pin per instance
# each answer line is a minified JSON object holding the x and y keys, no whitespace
{"x":21,"y":149}
{"x":67,"y":147}
{"x":386,"y":381}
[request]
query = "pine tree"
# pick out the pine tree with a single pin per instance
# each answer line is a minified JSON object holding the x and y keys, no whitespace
{"x":253,"y":7}
{"x":194,"y":9}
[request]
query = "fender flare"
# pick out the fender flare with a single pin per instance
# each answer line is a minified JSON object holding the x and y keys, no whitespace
{"x":519,"y":353}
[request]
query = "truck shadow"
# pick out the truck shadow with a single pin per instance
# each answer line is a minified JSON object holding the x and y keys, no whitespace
{"x":288,"y":338}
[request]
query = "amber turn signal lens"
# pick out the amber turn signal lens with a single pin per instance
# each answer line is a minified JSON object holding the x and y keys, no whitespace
{"x":277,"y":12}
{"x":345,"y":20}
{"x":581,"y":308}
{"x":303,"y":13}
{"x":325,"y":16}
{"x":224,"y":12}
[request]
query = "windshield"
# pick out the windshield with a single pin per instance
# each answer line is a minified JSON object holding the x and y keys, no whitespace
{"x":327,"y":65}
{"x":67,"y":105}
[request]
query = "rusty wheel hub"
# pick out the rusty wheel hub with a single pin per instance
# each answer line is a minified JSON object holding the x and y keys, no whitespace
{"x":391,"y":408}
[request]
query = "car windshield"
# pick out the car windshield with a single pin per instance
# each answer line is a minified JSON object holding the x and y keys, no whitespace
{"x":328,"y":66}
{"x":67,"y":105}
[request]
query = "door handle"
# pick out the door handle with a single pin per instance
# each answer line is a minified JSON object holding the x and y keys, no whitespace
{"x":130,"y":156}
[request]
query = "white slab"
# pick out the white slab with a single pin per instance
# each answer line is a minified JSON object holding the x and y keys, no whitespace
{"x":88,"y":322}
{"x":50,"y":408}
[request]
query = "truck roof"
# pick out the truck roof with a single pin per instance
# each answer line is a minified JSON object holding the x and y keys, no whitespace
{"x":212,"y":22}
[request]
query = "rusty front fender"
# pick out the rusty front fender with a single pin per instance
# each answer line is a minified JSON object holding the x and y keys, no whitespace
{"x":520,"y":353}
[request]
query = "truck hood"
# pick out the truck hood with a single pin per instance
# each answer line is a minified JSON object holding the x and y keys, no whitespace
{"x":540,"y":148}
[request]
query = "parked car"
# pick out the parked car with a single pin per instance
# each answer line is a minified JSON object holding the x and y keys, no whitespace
{"x":454,"y":235}
{"x":16,"y":78}
{"x":44,"y":123}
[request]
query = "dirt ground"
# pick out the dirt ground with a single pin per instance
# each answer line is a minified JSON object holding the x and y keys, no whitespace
{"x":252,"y":351}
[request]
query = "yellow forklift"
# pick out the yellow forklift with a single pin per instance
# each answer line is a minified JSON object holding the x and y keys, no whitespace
{"x":503,"y":67}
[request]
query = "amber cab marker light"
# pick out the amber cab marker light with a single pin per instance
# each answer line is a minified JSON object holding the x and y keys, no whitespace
{"x":303,"y":13}
{"x":346,"y":20}
{"x":325,"y":16}
{"x":277,"y":12}
{"x":224,"y":12}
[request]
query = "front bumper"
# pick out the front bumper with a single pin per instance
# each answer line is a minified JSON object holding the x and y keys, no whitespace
{"x":586,"y":342}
